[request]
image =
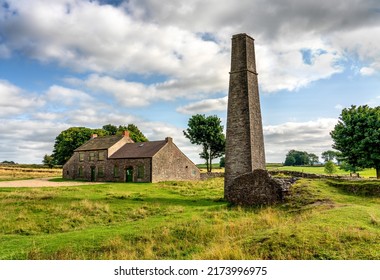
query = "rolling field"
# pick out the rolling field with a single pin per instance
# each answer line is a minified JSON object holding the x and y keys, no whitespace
{"x":186,"y":220}
{"x":366,"y":173}
{"x":21,"y":172}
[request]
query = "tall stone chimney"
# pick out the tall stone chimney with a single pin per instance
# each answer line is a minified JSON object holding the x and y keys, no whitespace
{"x":244,"y":139}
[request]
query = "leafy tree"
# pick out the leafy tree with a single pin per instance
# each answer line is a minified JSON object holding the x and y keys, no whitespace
{"x":290,"y":160}
{"x":48,"y":160}
{"x":348,"y":167}
{"x":110,"y":129}
{"x":67,"y":141}
{"x":357,"y":137}
{"x":330,"y":167}
{"x":294,"y":157}
{"x":313,"y":159}
{"x":329,"y":155}
{"x":208,"y":132}
{"x":134,"y":132}
{"x":8,"y":162}
{"x":222,"y":162}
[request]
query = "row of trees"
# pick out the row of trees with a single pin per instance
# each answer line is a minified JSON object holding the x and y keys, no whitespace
{"x":70,"y":139}
{"x":298,"y":158}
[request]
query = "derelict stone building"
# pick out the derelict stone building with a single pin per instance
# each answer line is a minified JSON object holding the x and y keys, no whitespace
{"x":119,"y":159}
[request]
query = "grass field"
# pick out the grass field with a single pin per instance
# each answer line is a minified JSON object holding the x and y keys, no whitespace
{"x":366,"y":173}
{"x":185,"y":220}
{"x":19,"y":172}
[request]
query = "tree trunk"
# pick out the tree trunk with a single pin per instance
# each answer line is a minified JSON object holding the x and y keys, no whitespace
{"x":210,"y":163}
{"x":378,"y":172}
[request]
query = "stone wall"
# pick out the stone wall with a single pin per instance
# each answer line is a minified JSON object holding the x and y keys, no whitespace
{"x":123,"y":164}
{"x":104,"y":170}
{"x":257,"y":188}
{"x":210,"y":175}
{"x":311,"y":175}
{"x":171,"y":164}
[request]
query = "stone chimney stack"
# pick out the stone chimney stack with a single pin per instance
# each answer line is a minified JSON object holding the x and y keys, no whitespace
{"x":244,"y":137}
{"x":169,"y":140}
{"x":126,"y":133}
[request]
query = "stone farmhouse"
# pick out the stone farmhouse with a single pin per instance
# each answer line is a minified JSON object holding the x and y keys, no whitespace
{"x":119,"y":159}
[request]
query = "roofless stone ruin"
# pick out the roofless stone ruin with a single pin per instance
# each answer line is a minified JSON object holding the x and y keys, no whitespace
{"x":246,"y":180}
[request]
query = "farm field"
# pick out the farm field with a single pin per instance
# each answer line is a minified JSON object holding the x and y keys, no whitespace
{"x":366,"y":173}
{"x":187,"y":220}
{"x":24,"y":172}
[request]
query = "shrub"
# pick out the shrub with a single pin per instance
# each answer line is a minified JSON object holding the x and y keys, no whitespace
{"x":330,"y":167}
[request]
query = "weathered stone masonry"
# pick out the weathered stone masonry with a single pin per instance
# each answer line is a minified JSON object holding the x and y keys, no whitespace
{"x":244,"y":139}
{"x":118,"y":159}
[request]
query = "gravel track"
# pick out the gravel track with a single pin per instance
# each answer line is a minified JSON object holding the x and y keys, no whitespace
{"x":42,"y":182}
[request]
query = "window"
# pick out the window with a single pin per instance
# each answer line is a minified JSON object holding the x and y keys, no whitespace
{"x":92,"y":156}
{"x":101,"y":155}
{"x":81,"y":156}
{"x":100,"y":171}
{"x":116,"y":171}
{"x":140,"y":171}
{"x":80,"y":171}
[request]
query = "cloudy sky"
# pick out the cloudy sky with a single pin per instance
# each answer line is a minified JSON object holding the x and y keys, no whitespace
{"x":154,"y":63}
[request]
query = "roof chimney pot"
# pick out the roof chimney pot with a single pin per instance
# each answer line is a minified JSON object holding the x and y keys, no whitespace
{"x":126,"y":133}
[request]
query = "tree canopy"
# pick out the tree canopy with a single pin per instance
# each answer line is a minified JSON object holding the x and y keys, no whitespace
{"x":329,"y":155}
{"x":70,"y":139}
{"x":297,"y":158}
{"x":357,"y":137}
{"x":207,"y":132}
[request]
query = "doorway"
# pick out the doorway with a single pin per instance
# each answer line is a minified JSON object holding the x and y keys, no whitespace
{"x":129,"y":174}
{"x":93,"y":173}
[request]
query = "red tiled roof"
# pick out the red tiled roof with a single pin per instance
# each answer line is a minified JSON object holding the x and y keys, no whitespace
{"x":139,"y":150}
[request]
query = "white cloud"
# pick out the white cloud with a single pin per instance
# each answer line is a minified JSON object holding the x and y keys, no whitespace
{"x":367,"y":71}
{"x":312,"y":137}
{"x":67,"y":96}
{"x":105,"y":39}
{"x":27,"y":141}
{"x":204,"y":106}
{"x":128,"y":94}
{"x":14,"y":101}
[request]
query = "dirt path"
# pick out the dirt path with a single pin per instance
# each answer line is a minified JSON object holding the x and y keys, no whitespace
{"x":42,"y":182}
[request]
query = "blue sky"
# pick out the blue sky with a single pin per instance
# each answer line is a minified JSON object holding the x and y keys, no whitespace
{"x":67,"y":63}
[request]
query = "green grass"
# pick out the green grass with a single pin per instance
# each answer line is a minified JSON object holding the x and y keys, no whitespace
{"x":185,"y":220}
{"x":366,"y":173}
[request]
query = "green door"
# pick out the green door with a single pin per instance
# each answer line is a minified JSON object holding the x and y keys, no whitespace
{"x":129,"y":174}
{"x":93,"y":173}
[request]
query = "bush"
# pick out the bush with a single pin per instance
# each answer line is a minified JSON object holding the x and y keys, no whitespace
{"x":330,"y":167}
{"x":222,"y":162}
